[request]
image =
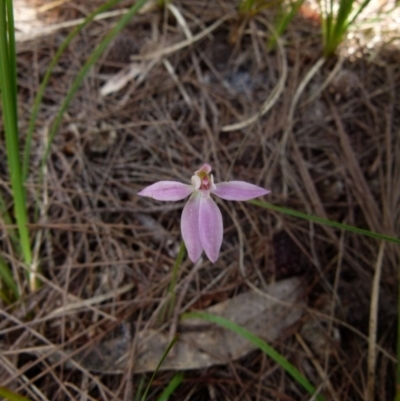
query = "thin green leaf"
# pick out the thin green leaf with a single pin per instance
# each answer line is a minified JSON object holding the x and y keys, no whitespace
{"x":166,"y":352}
{"x":7,"y":277}
{"x":8,"y":222}
{"x":4,"y":297}
{"x":325,"y":222}
{"x":284,"y":20}
{"x":11,"y":47}
{"x":172,"y":386}
{"x":39,"y":96}
{"x":8,"y":95}
{"x":9,"y":395}
{"x":139,"y":389}
{"x":258,"y":342}
{"x":85,"y":69}
{"x":357,"y":12}
{"x":335,"y":24}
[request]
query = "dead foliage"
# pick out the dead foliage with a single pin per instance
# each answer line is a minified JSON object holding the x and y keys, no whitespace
{"x":106,"y":254}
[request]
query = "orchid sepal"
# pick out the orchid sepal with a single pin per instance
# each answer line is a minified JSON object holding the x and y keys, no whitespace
{"x":167,"y":191}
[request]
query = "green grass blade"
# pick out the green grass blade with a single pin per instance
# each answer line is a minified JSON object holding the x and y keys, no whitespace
{"x":7,"y":277}
{"x":85,"y":69}
{"x":8,"y":223}
{"x":172,"y":386}
{"x":284,"y":21}
{"x":345,"y":7}
{"x":9,"y":395}
{"x":8,"y":95}
{"x":11,"y":46}
{"x":325,"y":222}
{"x":336,"y":24}
{"x":166,"y":352}
{"x":245,"y":6}
{"x":258,"y":342}
{"x":357,"y":12}
{"x":4,"y":297}
{"x":139,"y":389}
{"x":39,"y":96}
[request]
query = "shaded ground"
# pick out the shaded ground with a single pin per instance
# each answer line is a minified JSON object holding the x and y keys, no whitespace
{"x":336,"y":158}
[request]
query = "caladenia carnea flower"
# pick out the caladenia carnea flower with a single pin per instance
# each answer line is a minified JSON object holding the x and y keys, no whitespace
{"x":201,"y":223}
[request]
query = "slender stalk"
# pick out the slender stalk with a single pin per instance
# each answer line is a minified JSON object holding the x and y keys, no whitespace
{"x":168,"y":309}
{"x":166,"y":352}
{"x":172,"y":284}
{"x":172,"y":385}
{"x":9,"y":105}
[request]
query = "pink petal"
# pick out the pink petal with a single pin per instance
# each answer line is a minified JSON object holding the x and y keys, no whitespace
{"x":238,"y":190}
{"x":210,"y":228}
{"x":167,"y":191}
{"x":190,"y":227}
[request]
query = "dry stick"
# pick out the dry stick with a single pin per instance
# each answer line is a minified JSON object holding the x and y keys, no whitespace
{"x":132,"y":355}
{"x":179,"y":301}
{"x":43,"y":218}
{"x":254,"y":227}
{"x":181,"y":45}
{"x":373,"y":323}
{"x":352,"y":329}
{"x":48,"y":30}
{"x":43,"y":356}
{"x":242,"y":267}
{"x":362,"y":190}
{"x":30,"y":387}
{"x":327,"y":81}
{"x":50,"y":6}
{"x":181,"y":21}
{"x":293,"y":105}
{"x":210,"y":285}
{"x":175,"y":78}
{"x":316,"y":202}
{"x":272,"y":98}
{"x":76,"y":305}
{"x":186,"y":30}
{"x":76,"y":300}
{"x":310,"y":74}
{"x":335,"y":298}
{"x":387,"y":196}
{"x":325,"y":378}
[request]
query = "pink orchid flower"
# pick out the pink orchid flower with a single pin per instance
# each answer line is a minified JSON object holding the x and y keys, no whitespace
{"x":201,"y":223}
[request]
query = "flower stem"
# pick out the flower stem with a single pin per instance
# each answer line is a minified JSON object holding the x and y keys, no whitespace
{"x":168,"y":309}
